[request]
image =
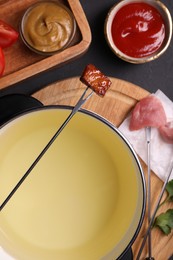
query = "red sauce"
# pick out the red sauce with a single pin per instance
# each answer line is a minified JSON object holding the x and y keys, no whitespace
{"x":138,"y":30}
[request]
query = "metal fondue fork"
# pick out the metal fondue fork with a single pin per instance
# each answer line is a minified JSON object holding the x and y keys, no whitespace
{"x":154,"y":214}
{"x":148,"y":138}
{"x":80,"y":102}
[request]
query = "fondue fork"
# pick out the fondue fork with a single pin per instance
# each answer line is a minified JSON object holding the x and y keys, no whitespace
{"x":80,"y":102}
{"x":154,"y":214}
{"x":97,"y":82}
{"x":148,"y":139}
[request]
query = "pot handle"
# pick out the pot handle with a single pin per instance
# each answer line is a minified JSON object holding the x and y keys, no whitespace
{"x":128,"y":255}
{"x":15,"y":104}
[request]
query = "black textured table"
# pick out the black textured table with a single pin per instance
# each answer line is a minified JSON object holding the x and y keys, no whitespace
{"x":151,"y":76}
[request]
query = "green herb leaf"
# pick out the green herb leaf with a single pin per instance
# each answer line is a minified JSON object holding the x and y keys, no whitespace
{"x":169,"y":188}
{"x":165,"y":221}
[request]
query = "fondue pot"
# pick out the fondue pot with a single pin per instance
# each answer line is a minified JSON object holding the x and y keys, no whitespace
{"x":85,"y":199}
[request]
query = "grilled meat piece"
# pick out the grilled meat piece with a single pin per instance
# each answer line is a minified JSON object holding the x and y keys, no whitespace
{"x":96,"y":80}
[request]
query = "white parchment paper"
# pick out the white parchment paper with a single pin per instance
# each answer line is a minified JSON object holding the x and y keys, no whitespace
{"x":161,"y":152}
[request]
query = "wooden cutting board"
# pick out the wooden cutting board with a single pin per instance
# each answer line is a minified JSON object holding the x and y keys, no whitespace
{"x":119,"y":100}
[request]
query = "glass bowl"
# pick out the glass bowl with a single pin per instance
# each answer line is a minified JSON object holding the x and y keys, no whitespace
{"x":47,"y":27}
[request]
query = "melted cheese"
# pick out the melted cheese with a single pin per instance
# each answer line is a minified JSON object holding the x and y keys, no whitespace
{"x":79,"y":201}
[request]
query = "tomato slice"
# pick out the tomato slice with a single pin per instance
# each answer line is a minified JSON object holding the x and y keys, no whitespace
{"x":2,"y":62}
{"x":8,"y":35}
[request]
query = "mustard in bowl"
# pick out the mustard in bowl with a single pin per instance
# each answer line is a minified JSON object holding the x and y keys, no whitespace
{"x":47,"y":27}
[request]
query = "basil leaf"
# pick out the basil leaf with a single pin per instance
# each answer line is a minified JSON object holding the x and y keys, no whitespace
{"x":169,"y":188}
{"x":165,"y":221}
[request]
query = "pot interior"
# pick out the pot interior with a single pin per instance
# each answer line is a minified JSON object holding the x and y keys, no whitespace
{"x":83,"y":200}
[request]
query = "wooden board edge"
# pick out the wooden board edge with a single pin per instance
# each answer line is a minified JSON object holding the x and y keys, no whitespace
{"x":63,"y":57}
{"x":81,"y":21}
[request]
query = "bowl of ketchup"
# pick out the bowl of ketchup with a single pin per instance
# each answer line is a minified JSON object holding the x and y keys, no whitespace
{"x":138,"y":31}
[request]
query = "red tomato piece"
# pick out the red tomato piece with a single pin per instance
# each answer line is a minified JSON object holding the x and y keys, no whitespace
{"x":8,"y":35}
{"x":2,"y":62}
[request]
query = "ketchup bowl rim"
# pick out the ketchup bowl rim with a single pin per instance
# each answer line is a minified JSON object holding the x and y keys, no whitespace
{"x":161,"y":8}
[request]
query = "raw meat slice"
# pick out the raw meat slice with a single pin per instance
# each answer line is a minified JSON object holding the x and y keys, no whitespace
{"x":147,"y":112}
{"x":166,"y":132}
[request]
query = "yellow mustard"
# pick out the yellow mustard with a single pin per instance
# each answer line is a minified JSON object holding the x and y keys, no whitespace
{"x":48,"y":27}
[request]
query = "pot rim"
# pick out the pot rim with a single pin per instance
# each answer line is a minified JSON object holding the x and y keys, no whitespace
{"x":115,"y":129}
